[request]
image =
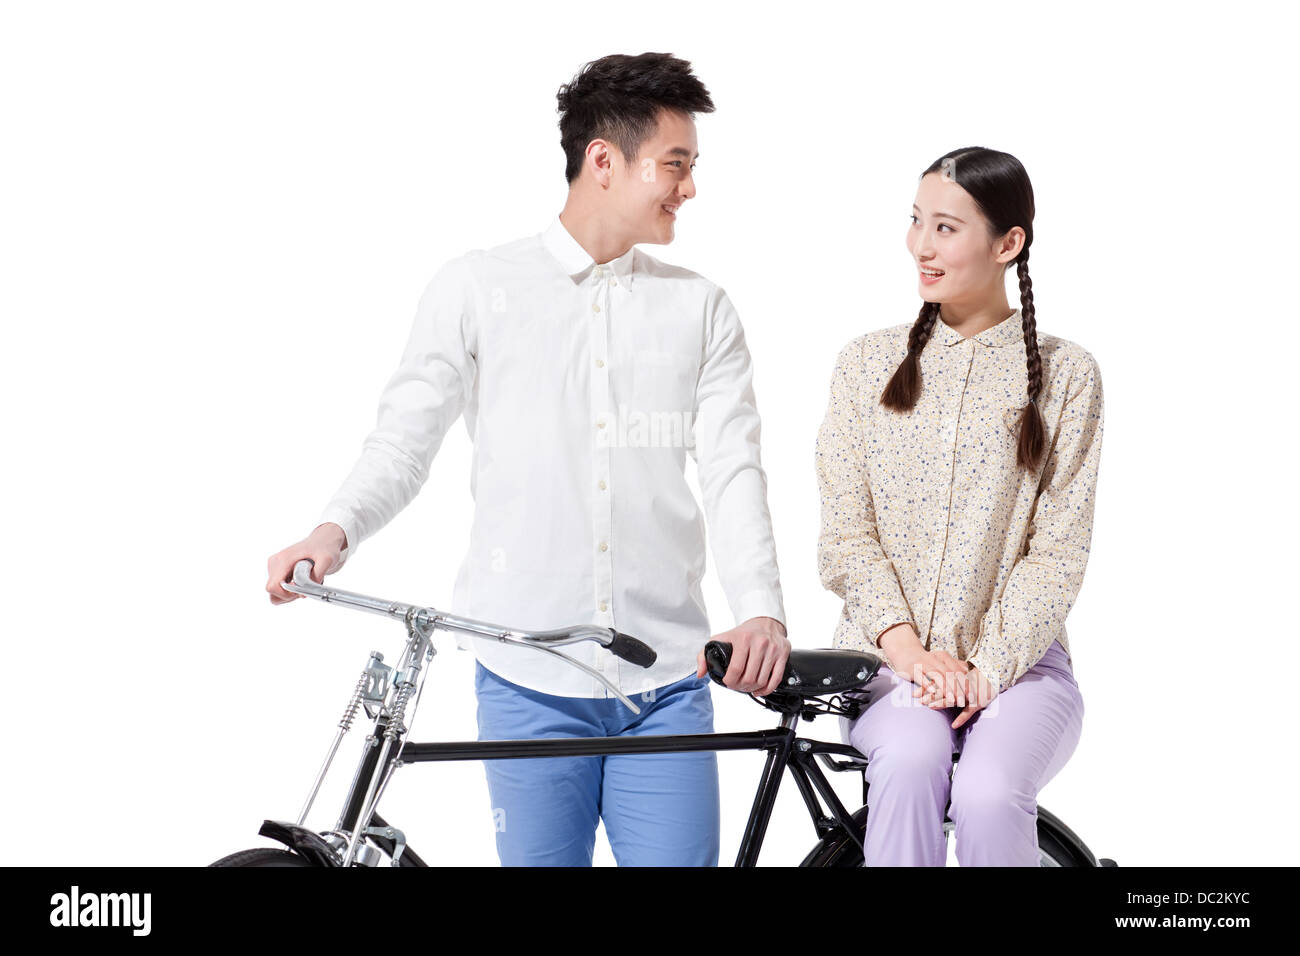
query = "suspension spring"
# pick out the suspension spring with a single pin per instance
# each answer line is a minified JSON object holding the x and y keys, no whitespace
{"x":398,"y":710}
{"x":345,"y":723}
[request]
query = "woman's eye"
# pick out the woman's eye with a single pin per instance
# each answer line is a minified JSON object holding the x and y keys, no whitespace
{"x":942,"y":225}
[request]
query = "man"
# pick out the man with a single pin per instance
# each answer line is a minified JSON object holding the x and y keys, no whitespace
{"x":587,"y":371}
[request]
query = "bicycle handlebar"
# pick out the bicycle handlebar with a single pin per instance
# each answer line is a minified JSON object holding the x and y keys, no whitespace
{"x":631,"y":650}
{"x":620,"y":645}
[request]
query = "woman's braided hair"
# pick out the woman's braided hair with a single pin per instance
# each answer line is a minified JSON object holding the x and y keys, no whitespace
{"x":1000,"y":187}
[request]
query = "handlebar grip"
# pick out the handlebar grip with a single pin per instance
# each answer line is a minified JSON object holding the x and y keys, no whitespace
{"x":631,"y":650}
{"x":717,"y":655}
{"x":302,"y":569}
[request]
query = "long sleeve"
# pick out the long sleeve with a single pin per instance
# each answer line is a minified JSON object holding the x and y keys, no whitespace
{"x":419,"y":404}
{"x":1019,"y":627}
{"x":849,"y":556}
{"x":732,"y":480}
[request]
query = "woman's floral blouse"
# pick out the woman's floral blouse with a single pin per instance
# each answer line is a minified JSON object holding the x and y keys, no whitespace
{"x":927,"y":518}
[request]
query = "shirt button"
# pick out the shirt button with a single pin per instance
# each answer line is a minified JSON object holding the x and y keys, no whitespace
{"x":613,"y":282}
{"x":604,"y":606}
{"x":595,"y":307}
{"x":602,"y":485}
{"x":600,"y":363}
{"x":604,"y":546}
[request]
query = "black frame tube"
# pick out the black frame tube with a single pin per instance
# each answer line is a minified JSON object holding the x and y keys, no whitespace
{"x":784,"y":750}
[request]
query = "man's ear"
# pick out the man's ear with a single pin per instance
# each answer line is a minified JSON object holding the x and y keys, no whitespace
{"x":600,"y":161}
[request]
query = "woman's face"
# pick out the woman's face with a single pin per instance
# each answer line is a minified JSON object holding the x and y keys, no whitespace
{"x":957,"y":261}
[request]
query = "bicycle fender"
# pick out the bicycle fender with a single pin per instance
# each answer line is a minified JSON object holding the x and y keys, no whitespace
{"x":304,"y":841}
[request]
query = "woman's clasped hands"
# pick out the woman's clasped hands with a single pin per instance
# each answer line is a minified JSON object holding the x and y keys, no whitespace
{"x":948,"y":682}
{"x":942,"y":680}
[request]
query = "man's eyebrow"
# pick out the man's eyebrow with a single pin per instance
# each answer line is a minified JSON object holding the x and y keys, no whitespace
{"x":943,"y":215}
{"x":681,"y":151}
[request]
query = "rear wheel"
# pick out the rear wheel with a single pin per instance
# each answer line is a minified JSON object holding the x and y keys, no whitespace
{"x":262,"y":856}
{"x":1057,"y":845}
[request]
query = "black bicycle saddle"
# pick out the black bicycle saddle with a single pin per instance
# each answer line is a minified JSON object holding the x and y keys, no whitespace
{"x":808,"y":673}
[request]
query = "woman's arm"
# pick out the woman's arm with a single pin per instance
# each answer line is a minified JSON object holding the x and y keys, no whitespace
{"x":1017,"y":630}
{"x":851,"y":561}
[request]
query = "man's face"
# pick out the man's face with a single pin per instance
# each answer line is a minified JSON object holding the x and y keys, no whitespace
{"x":648,"y":192}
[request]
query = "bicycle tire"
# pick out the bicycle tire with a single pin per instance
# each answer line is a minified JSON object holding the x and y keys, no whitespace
{"x":262,"y":856}
{"x":1057,"y":844}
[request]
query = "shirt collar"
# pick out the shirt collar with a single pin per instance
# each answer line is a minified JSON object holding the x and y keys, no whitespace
{"x":576,"y":262}
{"x":1007,"y":332}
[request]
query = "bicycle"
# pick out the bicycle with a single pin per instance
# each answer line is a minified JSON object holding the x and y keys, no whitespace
{"x":815,"y":683}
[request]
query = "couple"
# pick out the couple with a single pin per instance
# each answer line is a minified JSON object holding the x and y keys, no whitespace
{"x":957,"y":462}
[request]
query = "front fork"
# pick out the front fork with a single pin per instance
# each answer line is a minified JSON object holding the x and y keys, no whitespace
{"x":385,"y":692}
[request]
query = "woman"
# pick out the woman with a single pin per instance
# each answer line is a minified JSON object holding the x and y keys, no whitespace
{"x":957,"y":465}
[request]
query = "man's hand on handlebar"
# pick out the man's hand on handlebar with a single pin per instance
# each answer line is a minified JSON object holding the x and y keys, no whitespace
{"x":759,"y":651}
{"x":323,"y":547}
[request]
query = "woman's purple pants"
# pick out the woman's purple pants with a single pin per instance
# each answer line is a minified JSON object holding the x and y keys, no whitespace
{"x":1009,"y":751}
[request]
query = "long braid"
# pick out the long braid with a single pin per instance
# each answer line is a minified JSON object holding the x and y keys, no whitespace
{"x":904,"y":386}
{"x":1029,"y":446}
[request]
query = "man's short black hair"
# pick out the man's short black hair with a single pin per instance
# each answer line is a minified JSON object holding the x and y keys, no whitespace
{"x":618,"y":98}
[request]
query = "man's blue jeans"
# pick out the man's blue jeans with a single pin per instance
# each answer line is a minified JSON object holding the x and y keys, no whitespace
{"x":659,"y":809}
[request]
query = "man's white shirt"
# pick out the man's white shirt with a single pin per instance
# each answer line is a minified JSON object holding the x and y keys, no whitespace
{"x":584,"y":387}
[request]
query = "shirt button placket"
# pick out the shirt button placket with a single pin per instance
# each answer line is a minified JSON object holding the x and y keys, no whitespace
{"x":948,"y":424}
{"x":604,"y":437}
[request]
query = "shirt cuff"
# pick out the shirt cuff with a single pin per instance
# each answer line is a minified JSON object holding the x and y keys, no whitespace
{"x":978,"y":661}
{"x":344,"y":521}
{"x":989,"y":639}
{"x":763,"y":602}
{"x":875,"y":612}
{"x":882,"y":624}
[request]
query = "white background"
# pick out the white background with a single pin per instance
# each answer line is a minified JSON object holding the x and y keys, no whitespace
{"x":217,"y":219}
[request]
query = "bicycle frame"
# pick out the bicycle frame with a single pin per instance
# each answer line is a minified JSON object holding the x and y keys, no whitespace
{"x":784,"y":750}
{"x":385,"y":692}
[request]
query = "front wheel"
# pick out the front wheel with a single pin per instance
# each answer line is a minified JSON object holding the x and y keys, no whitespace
{"x":1057,"y":845}
{"x":262,"y":856}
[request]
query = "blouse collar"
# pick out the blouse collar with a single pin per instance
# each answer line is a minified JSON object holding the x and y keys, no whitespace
{"x":1007,"y":332}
